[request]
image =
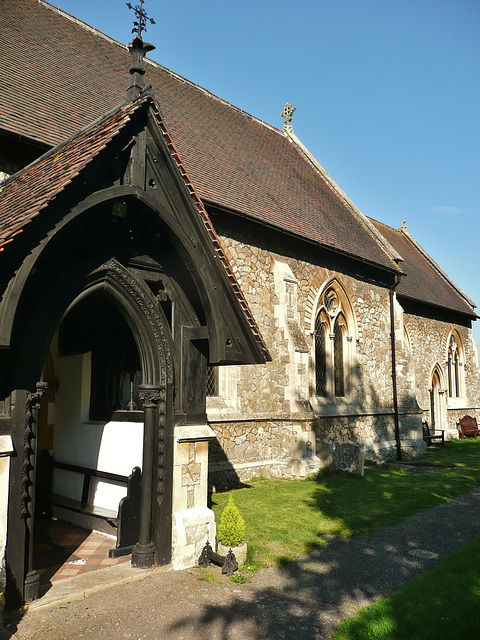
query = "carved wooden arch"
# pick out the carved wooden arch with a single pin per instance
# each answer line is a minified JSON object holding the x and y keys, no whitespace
{"x":145,"y":318}
{"x":134,"y":300}
{"x":142,"y":313}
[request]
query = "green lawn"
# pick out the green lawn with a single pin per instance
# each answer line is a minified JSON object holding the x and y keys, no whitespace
{"x":444,"y":604}
{"x":287,"y":518}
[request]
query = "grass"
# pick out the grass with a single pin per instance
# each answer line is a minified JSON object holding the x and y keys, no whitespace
{"x":285,"y":519}
{"x":442,"y":605}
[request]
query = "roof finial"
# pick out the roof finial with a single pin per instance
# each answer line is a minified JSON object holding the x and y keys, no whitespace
{"x":138,"y":49}
{"x":403,"y":227}
{"x":287,"y":114}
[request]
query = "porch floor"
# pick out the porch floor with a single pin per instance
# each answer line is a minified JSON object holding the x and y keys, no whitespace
{"x":63,"y":550}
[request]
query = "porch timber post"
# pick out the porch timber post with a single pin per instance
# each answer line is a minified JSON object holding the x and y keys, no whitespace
{"x":143,"y":553}
{"x":32,"y":579}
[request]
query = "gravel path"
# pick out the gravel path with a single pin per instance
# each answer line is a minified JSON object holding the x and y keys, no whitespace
{"x":306,"y":600}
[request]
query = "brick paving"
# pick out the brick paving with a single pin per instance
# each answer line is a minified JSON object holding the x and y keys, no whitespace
{"x":65,"y":550}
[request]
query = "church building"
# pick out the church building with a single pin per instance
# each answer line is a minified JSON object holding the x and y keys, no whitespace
{"x":189,"y":300}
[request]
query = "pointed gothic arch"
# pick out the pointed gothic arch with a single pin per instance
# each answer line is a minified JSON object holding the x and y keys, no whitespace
{"x":123,"y":222}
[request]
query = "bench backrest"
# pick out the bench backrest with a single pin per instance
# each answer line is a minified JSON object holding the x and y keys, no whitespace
{"x":467,"y":423}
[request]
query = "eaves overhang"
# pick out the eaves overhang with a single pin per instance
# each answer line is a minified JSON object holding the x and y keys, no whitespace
{"x":394,"y":269}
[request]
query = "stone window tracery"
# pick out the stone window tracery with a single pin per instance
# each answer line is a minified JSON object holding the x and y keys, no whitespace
{"x":332,"y":348}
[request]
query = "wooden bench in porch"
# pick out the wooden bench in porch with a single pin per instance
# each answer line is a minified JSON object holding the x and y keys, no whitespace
{"x":83,"y":506}
{"x":433,"y":435}
{"x":126,"y":520}
{"x":468,"y":427}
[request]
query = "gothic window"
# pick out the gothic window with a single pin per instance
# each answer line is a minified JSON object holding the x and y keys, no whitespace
{"x":332,"y":344}
{"x":453,"y":366}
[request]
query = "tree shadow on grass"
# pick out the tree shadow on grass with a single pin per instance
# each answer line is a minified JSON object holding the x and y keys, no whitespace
{"x":387,"y":494}
{"x":307,"y":599}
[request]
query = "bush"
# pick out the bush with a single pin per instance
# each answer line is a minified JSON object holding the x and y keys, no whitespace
{"x":231,"y":530}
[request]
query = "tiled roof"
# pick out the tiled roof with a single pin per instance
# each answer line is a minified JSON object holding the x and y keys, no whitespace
{"x":59,"y":75}
{"x":425,"y":281}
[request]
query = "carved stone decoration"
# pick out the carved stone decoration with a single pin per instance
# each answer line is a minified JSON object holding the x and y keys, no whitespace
{"x":151,"y":396}
{"x":330,"y":300}
{"x":287,"y":113}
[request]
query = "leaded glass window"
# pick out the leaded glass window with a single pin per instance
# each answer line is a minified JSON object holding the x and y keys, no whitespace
{"x":212,"y":381}
{"x":453,"y":366}
{"x":332,"y":345}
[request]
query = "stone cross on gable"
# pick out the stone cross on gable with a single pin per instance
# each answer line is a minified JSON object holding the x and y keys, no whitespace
{"x":141,"y":22}
{"x":287,"y":114}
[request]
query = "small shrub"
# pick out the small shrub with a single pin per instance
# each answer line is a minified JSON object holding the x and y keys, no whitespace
{"x":231,"y":530}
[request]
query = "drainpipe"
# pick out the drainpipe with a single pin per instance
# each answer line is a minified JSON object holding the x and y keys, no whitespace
{"x":394,"y":367}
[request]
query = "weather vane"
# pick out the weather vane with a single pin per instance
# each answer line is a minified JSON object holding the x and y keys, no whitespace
{"x":141,"y":23}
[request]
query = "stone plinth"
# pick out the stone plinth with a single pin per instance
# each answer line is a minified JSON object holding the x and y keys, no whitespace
{"x":193,"y":521}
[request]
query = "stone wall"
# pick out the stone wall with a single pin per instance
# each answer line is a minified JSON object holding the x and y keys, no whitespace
{"x":429,"y":343}
{"x":267,"y":414}
{"x":255,"y":448}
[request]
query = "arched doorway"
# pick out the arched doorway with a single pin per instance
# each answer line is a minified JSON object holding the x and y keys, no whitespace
{"x":90,"y":429}
{"x":92,"y":373}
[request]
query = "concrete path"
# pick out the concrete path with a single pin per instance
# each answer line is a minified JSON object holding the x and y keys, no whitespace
{"x":304,"y":601}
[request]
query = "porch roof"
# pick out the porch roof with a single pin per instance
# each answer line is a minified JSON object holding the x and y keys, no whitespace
{"x":26,"y":194}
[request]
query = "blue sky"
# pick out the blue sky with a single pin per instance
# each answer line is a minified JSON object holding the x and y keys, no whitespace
{"x":387,"y":96}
